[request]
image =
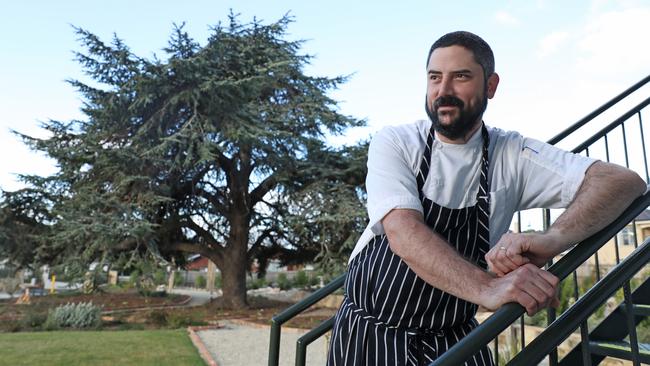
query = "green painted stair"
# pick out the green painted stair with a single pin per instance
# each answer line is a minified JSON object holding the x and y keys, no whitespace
{"x":613,"y":330}
{"x":620,"y":350}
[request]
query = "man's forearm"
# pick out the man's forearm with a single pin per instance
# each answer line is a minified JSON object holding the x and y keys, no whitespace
{"x":440,"y":265}
{"x":605,"y":192}
{"x":432,"y":258}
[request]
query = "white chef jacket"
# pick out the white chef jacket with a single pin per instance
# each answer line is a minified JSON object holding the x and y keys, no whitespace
{"x":524,"y":173}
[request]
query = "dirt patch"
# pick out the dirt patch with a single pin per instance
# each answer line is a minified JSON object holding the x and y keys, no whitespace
{"x":260,"y":311}
{"x":9,"y":310}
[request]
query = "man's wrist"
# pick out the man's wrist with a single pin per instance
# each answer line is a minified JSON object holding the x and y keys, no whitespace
{"x":486,"y":289}
{"x":550,"y":243}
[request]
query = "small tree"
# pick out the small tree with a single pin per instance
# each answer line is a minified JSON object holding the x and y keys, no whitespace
{"x":10,"y":285}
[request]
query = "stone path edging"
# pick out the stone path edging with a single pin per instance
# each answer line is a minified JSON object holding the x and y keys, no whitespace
{"x":203,"y":349}
{"x":200,"y":346}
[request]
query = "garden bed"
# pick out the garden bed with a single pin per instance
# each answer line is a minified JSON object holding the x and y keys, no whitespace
{"x":15,"y":317}
{"x":127,"y":309}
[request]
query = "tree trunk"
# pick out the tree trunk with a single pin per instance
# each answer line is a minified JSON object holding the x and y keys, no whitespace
{"x":235,"y":264}
{"x":233,"y":280}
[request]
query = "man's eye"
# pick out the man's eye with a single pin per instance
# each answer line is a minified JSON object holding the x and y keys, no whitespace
{"x":462,"y":76}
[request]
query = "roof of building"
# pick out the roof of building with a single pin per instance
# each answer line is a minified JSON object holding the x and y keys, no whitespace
{"x":645,"y":215}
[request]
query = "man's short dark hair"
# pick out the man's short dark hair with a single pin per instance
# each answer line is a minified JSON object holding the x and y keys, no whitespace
{"x":482,"y":52}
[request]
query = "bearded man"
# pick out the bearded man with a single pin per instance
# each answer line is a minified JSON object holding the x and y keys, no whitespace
{"x":441,"y":196}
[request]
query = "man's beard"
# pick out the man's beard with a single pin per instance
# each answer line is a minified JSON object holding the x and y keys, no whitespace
{"x":461,"y":125}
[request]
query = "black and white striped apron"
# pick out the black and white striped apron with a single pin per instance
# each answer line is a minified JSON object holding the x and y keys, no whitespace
{"x":389,"y":315}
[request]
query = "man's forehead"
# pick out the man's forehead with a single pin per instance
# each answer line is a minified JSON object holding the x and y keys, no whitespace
{"x":452,"y":58}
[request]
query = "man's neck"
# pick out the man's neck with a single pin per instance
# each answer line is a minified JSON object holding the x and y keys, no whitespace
{"x":463,"y":139}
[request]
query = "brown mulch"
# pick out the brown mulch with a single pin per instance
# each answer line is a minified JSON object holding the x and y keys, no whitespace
{"x":9,"y":310}
{"x":259,"y":311}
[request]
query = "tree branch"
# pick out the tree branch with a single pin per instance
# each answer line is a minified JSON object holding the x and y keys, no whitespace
{"x":196,"y":248}
{"x":262,"y":189}
{"x":265,"y":234}
{"x":212,"y":243}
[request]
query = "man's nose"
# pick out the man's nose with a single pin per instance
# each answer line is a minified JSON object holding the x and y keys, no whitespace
{"x":445,"y":87}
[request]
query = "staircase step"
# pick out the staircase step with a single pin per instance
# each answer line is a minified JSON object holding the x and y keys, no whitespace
{"x":620,"y":350}
{"x":641,"y":309}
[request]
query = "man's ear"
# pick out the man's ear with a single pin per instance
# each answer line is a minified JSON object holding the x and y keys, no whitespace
{"x":492,"y":83}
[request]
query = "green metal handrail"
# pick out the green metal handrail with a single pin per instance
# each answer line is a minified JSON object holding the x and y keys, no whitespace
{"x":598,"y":135}
{"x":504,"y":316}
{"x":293,"y":310}
{"x":308,"y":338}
{"x":588,"y":118}
{"x":583,"y":308}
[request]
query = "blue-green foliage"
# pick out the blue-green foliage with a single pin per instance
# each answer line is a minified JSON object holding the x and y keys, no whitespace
{"x":301,"y":279}
{"x":283,"y":282}
{"x":71,"y":315}
{"x":200,"y":281}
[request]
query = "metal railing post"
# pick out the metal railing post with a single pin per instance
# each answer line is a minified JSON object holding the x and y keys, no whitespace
{"x":293,"y":310}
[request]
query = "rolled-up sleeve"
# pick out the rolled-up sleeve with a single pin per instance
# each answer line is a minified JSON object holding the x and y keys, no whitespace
{"x":549,"y":177}
{"x":391,"y":179}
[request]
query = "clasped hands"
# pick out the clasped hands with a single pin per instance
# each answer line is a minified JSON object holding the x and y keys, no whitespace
{"x":516,"y":262}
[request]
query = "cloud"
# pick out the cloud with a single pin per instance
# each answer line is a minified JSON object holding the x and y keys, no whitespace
{"x":551,"y":43}
{"x":615,"y":39}
{"x":505,"y":18}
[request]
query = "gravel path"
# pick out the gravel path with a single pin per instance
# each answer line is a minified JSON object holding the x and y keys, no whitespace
{"x":242,"y":345}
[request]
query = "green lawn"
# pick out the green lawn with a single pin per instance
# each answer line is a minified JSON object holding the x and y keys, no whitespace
{"x":133,"y":347}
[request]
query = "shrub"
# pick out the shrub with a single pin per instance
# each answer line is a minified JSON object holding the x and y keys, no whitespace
{"x":200,"y":281}
{"x":178,"y":278}
{"x":130,"y":326}
{"x":283,"y":282}
{"x":174,"y":320}
{"x":538,"y":320}
{"x":217,"y":280}
{"x":145,"y":285}
{"x":70,"y":315}
{"x":180,"y":320}
{"x":256,"y":283}
{"x":11,"y":326}
{"x":159,"y":277}
{"x":314,"y":280}
{"x":33,"y":319}
{"x":301,"y":279}
{"x":158,"y":318}
{"x":134,"y":277}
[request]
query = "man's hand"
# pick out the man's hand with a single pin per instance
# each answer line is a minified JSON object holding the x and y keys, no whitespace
{"x":528,"y":285}
{"x":514,"y":250}
{"x":606,"y":191}
{"x":439,"y":264}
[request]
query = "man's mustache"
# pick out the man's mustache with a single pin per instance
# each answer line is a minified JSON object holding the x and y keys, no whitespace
{"x":448,"y":101}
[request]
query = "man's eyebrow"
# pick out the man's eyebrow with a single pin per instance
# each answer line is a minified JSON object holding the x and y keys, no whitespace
{"x":461,"y":71}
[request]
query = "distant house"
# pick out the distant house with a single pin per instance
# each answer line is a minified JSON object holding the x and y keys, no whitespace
{"x":197,"y":262}
{"x":634,"y":233}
